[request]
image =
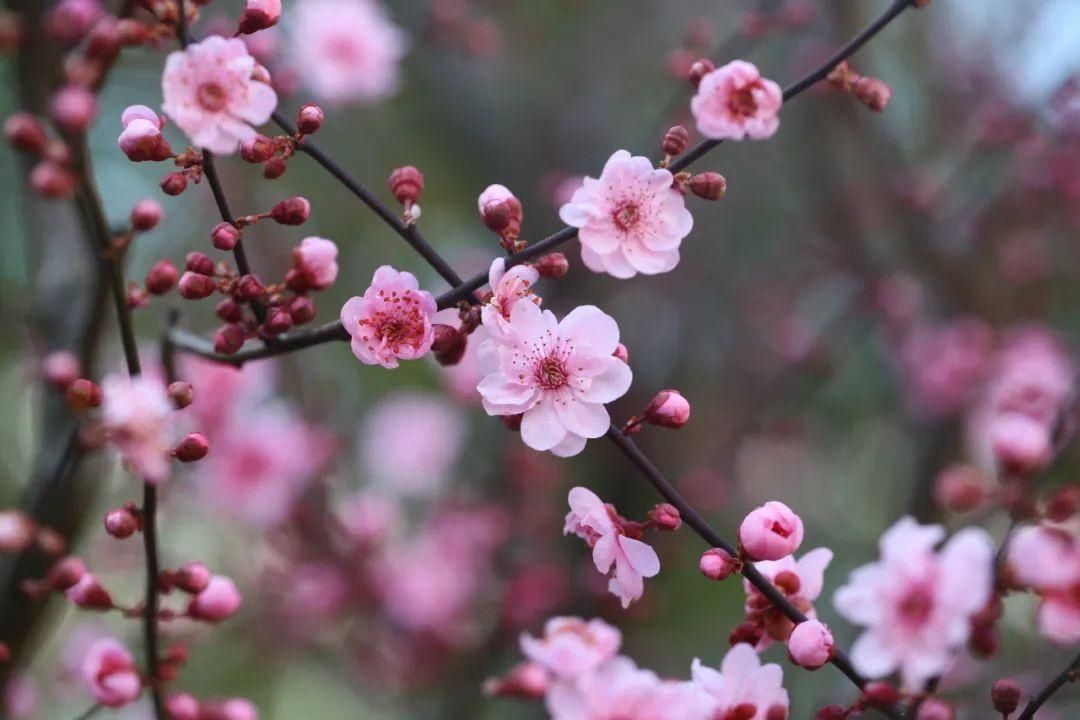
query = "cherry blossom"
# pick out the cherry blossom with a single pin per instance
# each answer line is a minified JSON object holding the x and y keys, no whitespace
{"x":633,"y":560}
{"x":211,"y":95}
{"x":620,"y":690}
{"x":1047,"y":559}
{"x":392,"y":321}
{"x":630,"y":219}
{"x":507,"y":288}
{"x":734,"y":102}
{"x":109,"y":671}
{"x":136,"y":416}
{"x":743,"y":680}
{"x":347,"y":50}
{"x":571,"y":647}
{"x":916,"y":604}
{"x":558,"y":375}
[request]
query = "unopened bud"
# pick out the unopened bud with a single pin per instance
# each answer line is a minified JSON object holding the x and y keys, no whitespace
{"x":622,"y":353}
{"x":274,"y":168}
{"x":718,"y":564}
{"x":873,"y":93}
{"x":52,"y":180}
{"x":24,"y":132}
{"x":961,"y":488}
{"x":194,"y":286}
{"x":552,"y":265}
{"x":192,"y":578}
{"x":406,"y":185}
{"x":1063,"y":504}
{"x":229,"y":310}
{"x":121,"y":523}
{"x":880,"y":694}
{"x":279,"y":321}
{"x":174,"y":183}
{"x":229,"y":339}
{"x":83,"y":394}
{"x":301,"y":309}
{"x":1006,"y":694}
{"x":257,"y":149}
{"x":181,"y":393}
{"x":66,"y":573}
{"x":291,"y":211}
{"x":309,"y":119}
{"x":675,"y":140}
{"x":669,"y":409}
{"x":248,"y":288}
{"x":665,"y":516}
{"x":446,"y":337}
{"x":747,"y":632}
{"x":191,"y":448}
{"x":161,"y":278}
{"x":16,"y":531}
{"x":708,"y":185}
{"x":224,"y":236}
{"x":61,"y":368}
{"x":199,"y":263}
{"x":145,"y":215}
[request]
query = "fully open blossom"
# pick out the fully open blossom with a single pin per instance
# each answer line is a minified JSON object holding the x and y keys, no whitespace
{"x":347,"y":50}
{"x":630,"y":219}
{"x":620,"y":690}
{"x":591,"y":520}
{"x":743,"y":680}
{"x":315,"y":259}
{"x":558,"y":375}
{"x":507,"y":288}
{"x":211,"y":95}
{"x":571,"y":647}
{"x":801,"y":580}
{"x":136,"y":415}
{"x":915,"y":603}
{"x":392,"y":321}
{"x":943,"y":364}
{"x":1047,"y":560}
{"x":109,"y":671}
{"x":734,"y":102}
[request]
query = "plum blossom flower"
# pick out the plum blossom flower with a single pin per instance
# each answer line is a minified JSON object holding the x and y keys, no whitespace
{"x":630,"y":219}
{"x":572,"y":647}
{"x":1047,"y":559}
{"x":742,"y":680}
{"x":943,"y":364}
{"x":620,"y":690}
{"x":916,"y":604}
{"x":734,"y":102}
{"x":315,"y":259}
{"x":392,"y":321}
{"x":507,"y":288}
{"x":347,"y":50}
{"x":771,"y":531}
{"x":141,"y":139}
{"x":135,"y":415}
{"x":558,"y":375}
{"x":211,"y":95}
{"x":633,"y":560}
{"x":109,"y":671}
{"x":801,"y":580}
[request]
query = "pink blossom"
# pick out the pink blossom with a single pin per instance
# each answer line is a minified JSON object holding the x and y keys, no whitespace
{"x":223,"y":392}
{"x":943,"y":364}
{"x":734,"y":102}
{"x":316,"y":260}
{"x":211,"y":94}
{"x":916,"y":604}
{"x":1019,"y":443}
{"x":368,"y":517}
{"x":811,"y":644}
{"x":392,"y":321}
{"x":218,"y":601}
{"x":630,"y":219}
{"x":141,"y":139}
{"x":572,"y":647}
{"x":802,"y":581}
{"x":742,"y":679}
{"x":590,"y":519}
{"x":558,"y":375}
{"x":347,"y":50}
{"x":619,"y":690}
{"x":136,"y":415}
{"x":1047,"y":560}
{"x":507,"y":288}
{"x":109,"y":672}
{"x":771,"y":531}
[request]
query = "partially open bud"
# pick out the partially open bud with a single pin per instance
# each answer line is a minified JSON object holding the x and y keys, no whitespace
{"x":181,"y":394}
{"x":718,"y":564}
{"x":771,"y":531}
{"x":192,"y":447}
{"x":83,"y":394}
{"x":228,"y":339}
{"x":675,"y":140}
{"x":224,"y":236}
{"x":259,"y":15}
{"x":194,"y":286}
{"x":309,"y":119}
{"x":552,"y":265}
{"x":500,"y":211}
{"x":291,"y":211}
{"x":669,"y":409}
{"x":257,"y":149}
{"x":700,"y":69}
{"x":121,"y":523}
{"x":665,"y":516}
{"x":811,"y":644}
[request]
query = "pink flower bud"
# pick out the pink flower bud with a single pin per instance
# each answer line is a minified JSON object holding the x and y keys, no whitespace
{"x":181,"y":393}
{"x":873,"y":93}
{"x":229,"y":339}
{"x":224,"y":236}
{"x":192,"y":578}
{"x":291,"y":211}
{"x":961,"y":488}
{"x":231,"y":709}
{"x":771,"y":531}
{"x":274,"y":168}
{"x":259,"y":15}
{"x":718,"y":564}
{"x":248,"y":288}
{"x":83,"y":394}
{"x":70,"y":20}
{"x":103,"y":45}
{"x":553,"y":265}
{"x":192,"y":447}
{"x":182,"y":706}
{"x":315,"y":259}
{"x":257,"y":149}
{"x":87,"y":593}
{"x":301,"y":309}
{"x":500,"y":210}
{"x":194,"y":286}
{"x":406,"y":185}
{"x":936,"y":709}
{"x":446,"y":337}
{"x":1006,"y":694}
{"x":16,"y":532}
{"x":700,"y":69}
{"x":74,"y":108}
{"x":309,"y":119}
{"x":279,"y":321}
{"x":109,"y":670}
{"x":229,"y":310}
{"x":622,"y":353}
{"x":218,"y":601}
{"x":141,"y":139}
{"x":199,"y":263}
{"x":24,"y":132}
{"x":61,"y":368}
{"x":668,"y":409}
{"x":145,"y":215}
{"x":66,"y":573}
{"x":52,"y":180}
{"x":1020,"y":444}
{"x":811,"y":645}
{"x":162,"y":277}
{"x":665,"y":516}
{"x":121,"y":523}
{"x":174,"y":183}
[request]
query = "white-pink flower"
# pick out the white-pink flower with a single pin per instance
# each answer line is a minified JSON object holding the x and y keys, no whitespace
{"x":627,"y":561}
{"x":347,"y":50}
{"x":392,"y":321}
{"x":109,"y":671}
{"x":742,"y":679}
{"x":915,"y":603}
{"x":315,"y":259}
{"x":571,"y":647}
{"x":807,"y":573}
{"x":558,"y":375}
{"x":734,"y":102}
{"x":1047,"y":560}
{"x":136,"y":416}
{"x":630,"y":219}
{"x":211,"y":95}
{"x":620,"y":690}
{"x":507,"y":288}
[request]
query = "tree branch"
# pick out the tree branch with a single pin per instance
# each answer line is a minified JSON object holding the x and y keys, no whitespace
{"x":1067,"y":675}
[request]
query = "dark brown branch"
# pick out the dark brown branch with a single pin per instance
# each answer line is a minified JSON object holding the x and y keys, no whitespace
{"x":283,"y":344}
{"x":1067,"y":675}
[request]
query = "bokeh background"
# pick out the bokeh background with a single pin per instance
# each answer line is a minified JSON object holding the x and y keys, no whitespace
{"x":830,"y":321}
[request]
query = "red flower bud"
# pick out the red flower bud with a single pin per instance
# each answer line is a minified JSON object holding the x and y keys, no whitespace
{"x":224,"y":236}
{"x":121,"y":523}
{"x":302,"y":309}
{"x":161,"y":278}
{"x":291,"y":211}
{"x":880,"y":694}
{"x":406,"y":185}
{"x":24,"y":132}
{"x":553,"y":265}
{"x":700,"y":69}
{"x":181,"y":393}
{"x":248,"y":288}
{"x":1006,"y":694}
{"x":622,"y":353}
{"x":194,"y":286}
{"x":174,"y":183}
{"x":192,"y":578}
{"x":228,"y":339}
{"x":83,"y":394}
{"x":675,"y":140}
{"x":229,"y":310}
{"x":145,"y":215}
{"x":132,"y":33}
{"x":718,"y":564}
{"x":665,"y":516}
{"x":669,"y":409}
{"x":192,"y":447}
{"x":873,"y":93}
{"x":66,"y":573}
{"x":274,"y":168}
{"x":199,"y":263}
{"x":708,"y":185}
{"x":446,"y":337}
{"x":309,"y":119}
{"x":52,"y":180}
{"x":257,"y":149}
{"x":279,"y":321}
{"x":747,"y":632}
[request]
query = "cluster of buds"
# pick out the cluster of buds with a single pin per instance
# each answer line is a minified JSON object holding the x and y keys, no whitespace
{"x":870,"y":91}
{"x":668,"y":408}
{"x":54,"y":175}
{"x":274,"y":153}
{"x":882,"y":695}
{"x":501,"y":212}
{"x":407,"y":185}
{"x":19,"y":532}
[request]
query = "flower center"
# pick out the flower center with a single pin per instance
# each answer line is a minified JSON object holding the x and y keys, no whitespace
{"x":742,"y":102}
{"x":212,"y":97}
{"x":916,"y":606}
{"x":779,"y":528}
{"x":390,"y":331}
{"x":551,"y":373}
{"x":626,"y":216}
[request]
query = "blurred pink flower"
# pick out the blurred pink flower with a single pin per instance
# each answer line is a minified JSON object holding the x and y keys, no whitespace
{"x":347,"y":50}
{"x":558,"y":374}
{"x":222,"y":392}
{"x":211,"y":95}
{"x":218,"y":601}
{"x":1047,"y":560}
{"x":572,"y":647}
{"x":916,"y":604}
{"x":742,"y":679}
{"x":620,"y":690}
{"x":315,"y":258}
{"x":734,"y":102}
{"x":633,"y":560}
{"x":368,"y":517}
{"x":391,"y":321}
{"x":630,"y":219}
{"x":110,"y":673}
{"x":21,"y":697}
{"x":136,"y":414}
{"x":507,"y":288}
{"x":944,"y":364}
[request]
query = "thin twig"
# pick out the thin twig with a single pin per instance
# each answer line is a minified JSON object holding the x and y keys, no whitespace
{"x":1067,"y":675}
{"x":90,"y":712}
